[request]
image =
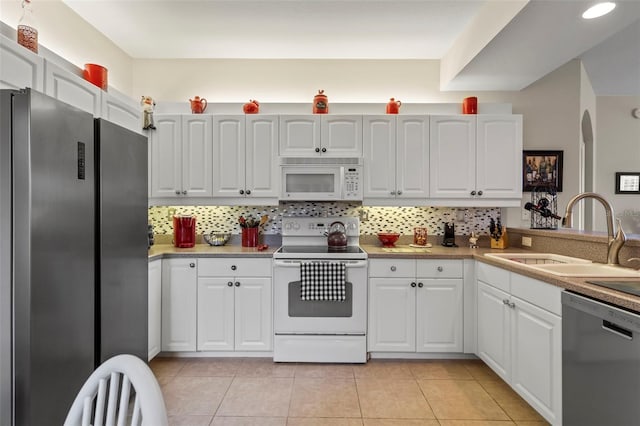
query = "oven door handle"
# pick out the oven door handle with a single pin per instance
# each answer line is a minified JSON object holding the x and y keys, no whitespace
{"x":296,"y":263}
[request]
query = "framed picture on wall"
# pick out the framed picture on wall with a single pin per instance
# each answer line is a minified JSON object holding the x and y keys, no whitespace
{"x":541,"y":168}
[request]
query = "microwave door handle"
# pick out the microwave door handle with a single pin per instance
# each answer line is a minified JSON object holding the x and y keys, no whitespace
{"x":342,"y":186}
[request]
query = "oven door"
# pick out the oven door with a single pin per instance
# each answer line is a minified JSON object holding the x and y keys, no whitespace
{"x":296,"y":316}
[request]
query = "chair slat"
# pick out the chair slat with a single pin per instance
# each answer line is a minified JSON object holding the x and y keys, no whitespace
{"x":87,"y":405}
{"x":123,"y":410}
{"x":136,"y":419}
{"x":100,"y":400}
{"x":112,"y":404}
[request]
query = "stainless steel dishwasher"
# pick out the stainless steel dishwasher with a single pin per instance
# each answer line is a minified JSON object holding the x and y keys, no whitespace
{"x":600,"y":363}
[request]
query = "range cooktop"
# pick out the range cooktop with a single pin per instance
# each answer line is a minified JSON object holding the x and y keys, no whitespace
{"x":319,"y":252}
{"x":629,"y":287}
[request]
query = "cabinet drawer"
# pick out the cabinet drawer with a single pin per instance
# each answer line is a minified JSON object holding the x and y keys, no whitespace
{"x":537,"y":293}
{"x":389,"y":268}
{"x":439,"y":268}
{"x":493,"y":275}
{"x":233,"y":266}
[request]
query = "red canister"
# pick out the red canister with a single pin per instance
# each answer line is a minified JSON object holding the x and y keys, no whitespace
{"x":184,"y":231}
{"x":96,"y":74}
{"x":470,"y":105}
{"x":393,"y":107}
{"x":320,"y":103}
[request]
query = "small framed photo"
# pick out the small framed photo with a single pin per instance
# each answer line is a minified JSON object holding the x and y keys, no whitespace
{"x":627,"y":183}
{"x":541,"y":168}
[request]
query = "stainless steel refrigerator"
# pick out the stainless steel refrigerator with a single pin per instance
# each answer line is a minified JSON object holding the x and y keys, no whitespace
{"x":73,"y":246}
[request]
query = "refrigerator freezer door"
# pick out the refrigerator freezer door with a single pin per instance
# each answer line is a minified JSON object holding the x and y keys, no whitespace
{"x":54,"y":273}
{"x":122,"y":247}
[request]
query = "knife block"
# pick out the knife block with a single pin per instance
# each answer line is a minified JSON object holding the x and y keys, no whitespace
{"x":502,"y":242}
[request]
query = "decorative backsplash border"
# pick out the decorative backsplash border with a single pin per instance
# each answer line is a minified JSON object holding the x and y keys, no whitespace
{"x":373,"y":219}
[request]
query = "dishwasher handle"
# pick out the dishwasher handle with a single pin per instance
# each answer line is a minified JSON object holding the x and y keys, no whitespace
{"x":617,"y":330}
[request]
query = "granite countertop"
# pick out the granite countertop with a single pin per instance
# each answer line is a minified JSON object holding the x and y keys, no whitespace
{"x":579,"y":285}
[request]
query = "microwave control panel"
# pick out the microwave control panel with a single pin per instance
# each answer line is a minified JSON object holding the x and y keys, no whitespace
{"x":352,"y":183}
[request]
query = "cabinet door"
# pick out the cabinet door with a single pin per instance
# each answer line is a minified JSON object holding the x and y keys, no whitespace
{"x":179,"y":295}
{"x":253,"y":331}
{"x":72,"y":89}
{"x":121,"y":110}
{"x":341,"y":136}
{"x":20,"y":67}
{"x":229,"y":155}
{"x":215,"y":314}
{"x":262,"y":171}
{"x":452,"y":159}
{"x":379,"y":146}
{"x":299,"y":135}
{"x":494,"y":334}
{"x":392,"y":315}
{"x":155,"y":308}
{"x":537,"y":358}
{"x":439,"y":315}
{"x":412,"y":156}
{"x":165,"y":157}
{"x":499,"y":156}
{"x":196,"y":155}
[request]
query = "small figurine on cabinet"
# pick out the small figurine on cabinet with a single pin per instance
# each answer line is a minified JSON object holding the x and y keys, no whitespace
{"x":147,"y":104}
{"x":473,"y":240}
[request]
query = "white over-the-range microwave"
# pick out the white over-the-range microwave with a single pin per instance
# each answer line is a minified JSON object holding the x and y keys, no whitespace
{"x":321,"y":179}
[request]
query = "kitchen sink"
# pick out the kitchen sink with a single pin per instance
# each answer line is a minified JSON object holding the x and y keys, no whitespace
{"x":537,"y":258}
{"x":587,"y":270}
{"x":564,"y":266}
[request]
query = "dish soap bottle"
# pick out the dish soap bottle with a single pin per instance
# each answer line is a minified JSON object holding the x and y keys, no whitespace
{"x":27,"y":33}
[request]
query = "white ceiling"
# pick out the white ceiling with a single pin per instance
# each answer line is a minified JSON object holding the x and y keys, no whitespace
{"x":544,"y":35}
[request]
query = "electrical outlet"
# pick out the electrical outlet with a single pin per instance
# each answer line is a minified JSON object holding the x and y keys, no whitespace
{"x":460,"y":216}
{"x":170,"y":212}
{"x":526,"y":241}
{"x":364,"y":215}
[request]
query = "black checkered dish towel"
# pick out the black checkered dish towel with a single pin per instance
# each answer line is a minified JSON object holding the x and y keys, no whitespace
{"x":323,"y":281}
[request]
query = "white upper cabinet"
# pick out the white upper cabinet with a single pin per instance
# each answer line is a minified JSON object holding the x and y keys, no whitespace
{"x":122,"y":110}
{"x":180,"y":156}
{"x":396,"y":155}
{"x":72,"y":89}
{"x":476,"y":159}
{"x":20,"y":67}
{"x":245,"y":157}
{"x":320,"y":135}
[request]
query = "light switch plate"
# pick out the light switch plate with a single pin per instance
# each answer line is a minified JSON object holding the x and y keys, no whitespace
{"x":526,"y":241}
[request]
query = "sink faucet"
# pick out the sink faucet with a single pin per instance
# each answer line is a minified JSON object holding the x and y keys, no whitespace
{"x":615,"y":239}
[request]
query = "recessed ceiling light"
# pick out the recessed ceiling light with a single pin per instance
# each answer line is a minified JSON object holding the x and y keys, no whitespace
{"x":598,"y":10}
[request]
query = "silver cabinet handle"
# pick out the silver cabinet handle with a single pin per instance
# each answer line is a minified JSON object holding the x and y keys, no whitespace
{"x":324,"y":149}
{"x":230,"y":284}
{"x":393,"y":269}
{"x":440,"y":268}
{"x":393,"y":192}
{"x":420,"y":285}
{"x":192,"y":265}
{"x":505,"y":301}
{"x":413,"y":284}
{"x":241,"y":192}
{"x":237,"y":284}
{"x":317,"y":149}
{"x":399,"y":192}
{"x":177,"y":192}
{"x":479,"y":192}
{"x":512,"y":305}
{"x":473,"y":192}
{"x":184,"y":192}
{"x":248,"y":192}
{"x":234,"y":267}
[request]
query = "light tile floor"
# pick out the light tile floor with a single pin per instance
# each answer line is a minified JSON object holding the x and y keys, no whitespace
{"x":257,"y":391}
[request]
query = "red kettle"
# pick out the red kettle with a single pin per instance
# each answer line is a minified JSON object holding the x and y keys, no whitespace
{"x":184,"y":231}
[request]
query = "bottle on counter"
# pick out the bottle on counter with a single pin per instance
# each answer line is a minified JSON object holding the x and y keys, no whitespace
{"x":27,"y":32}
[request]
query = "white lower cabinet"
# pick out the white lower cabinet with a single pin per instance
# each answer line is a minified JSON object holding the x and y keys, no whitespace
{"x":519,"y":336}
{"x":154,"y":308}
{"x":179,"y":295}
{"x":415,"y":306}
{"x":234,"y":305}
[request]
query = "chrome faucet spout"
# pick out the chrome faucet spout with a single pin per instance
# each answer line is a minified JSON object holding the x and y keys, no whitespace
{"x":615,"y":239}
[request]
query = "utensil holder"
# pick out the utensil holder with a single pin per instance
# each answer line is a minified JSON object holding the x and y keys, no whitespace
{"x":250,"y":237}
{"x":500,"y":243}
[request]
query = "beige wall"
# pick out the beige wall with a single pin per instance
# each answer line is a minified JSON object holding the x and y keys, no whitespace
{"x":618,"y":150}
{"x":63,"y":32}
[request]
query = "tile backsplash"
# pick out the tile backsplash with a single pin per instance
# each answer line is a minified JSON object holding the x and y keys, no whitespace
{"x":373,"y":219}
